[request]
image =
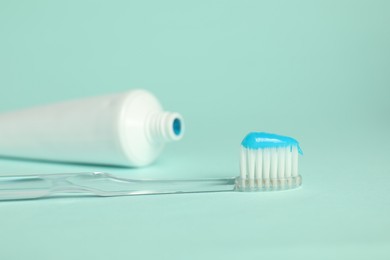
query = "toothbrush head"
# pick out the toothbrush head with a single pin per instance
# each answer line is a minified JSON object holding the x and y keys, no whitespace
{"x":268,"y":162}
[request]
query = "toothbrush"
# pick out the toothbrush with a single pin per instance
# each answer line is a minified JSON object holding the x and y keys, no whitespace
{"x":268,"y":162}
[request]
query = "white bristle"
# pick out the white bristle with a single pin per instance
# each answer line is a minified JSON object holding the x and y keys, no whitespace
{"x":243,"y":163}
{"x":251,"y":167}
{"x":259,"y":165}
{"x":294,"y":162}
{"x":281,"y":162}
{"x":288,"y":162}
{"x":268,"y":167}
{"x":274,"y":164}
{"x":266,"y":163}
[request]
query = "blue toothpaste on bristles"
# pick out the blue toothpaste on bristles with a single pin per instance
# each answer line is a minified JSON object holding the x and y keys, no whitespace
{"x":269,"y":162}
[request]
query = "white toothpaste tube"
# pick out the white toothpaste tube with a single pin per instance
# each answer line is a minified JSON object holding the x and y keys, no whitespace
{"x":126,"y":129}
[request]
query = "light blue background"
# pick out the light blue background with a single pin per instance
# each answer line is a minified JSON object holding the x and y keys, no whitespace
{"x":318,"y":71}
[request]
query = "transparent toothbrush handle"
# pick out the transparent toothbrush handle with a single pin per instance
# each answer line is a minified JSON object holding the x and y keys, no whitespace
{"x":16,"y":187}
{"x":101,"y":184}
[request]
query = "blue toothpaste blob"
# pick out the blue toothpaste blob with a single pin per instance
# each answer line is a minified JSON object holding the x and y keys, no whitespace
{"x":261,"y":140}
